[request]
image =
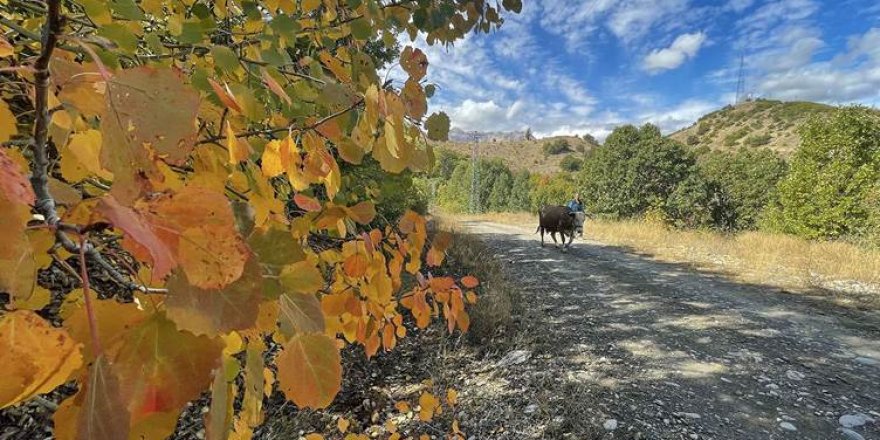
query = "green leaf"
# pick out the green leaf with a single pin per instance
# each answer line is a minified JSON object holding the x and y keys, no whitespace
{"x":119,"y":34}
{"x":512,"y":5}
{"x":224,"y":58}
{"x":438,"y":126}
{"x":360,"y":29}
{"x":127,"y":9}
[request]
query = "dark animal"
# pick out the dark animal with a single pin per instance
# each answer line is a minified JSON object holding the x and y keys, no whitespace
{"x":555,"y":219}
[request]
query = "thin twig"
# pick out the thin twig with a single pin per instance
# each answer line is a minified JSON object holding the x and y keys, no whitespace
{"x":90,"y":312}
{"x":213,"y":139}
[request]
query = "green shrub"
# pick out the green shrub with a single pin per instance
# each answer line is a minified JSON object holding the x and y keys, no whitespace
{"x":756,"y":140}
{"x":693,"y":204}
{"x":831,"y":189}
{"x":734,"y":137}
{"x":556,"y":189}
{"x":571,"y":163}
{"x":703,"y":128}
{"x":693,"y":140}
{"x":394,"y":193}
{"x":556,"y":146}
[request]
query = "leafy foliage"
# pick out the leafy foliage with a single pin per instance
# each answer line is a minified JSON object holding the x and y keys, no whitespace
{"x":636,"y":168}
{"x":831,"y":189}
{"x":238,"y":150}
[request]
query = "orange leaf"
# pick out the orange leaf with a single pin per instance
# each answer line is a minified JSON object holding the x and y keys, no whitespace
{"x":307,"y":203}
{"x":225,"y":96}
{"x":215,"y":311}
{"x":414,"y":62}
{"x":451,"y":397}
{"x":470,"y":281}
{"x":342,"y":424}
{"x":275,"y":87}
{"x":310,"y":370}
{"x":355,"y":266}
{"x":363,"y":212}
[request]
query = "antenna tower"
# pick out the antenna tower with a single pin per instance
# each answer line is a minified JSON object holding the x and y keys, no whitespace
{"x":475,"y":174}
{"x":740,"y":82}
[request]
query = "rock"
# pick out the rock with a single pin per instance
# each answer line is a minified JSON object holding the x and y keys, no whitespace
{"x":530,"y":409}
{"x":849,"y":434}
{"x":515,"y":357}
{"x":854,"y":420}
{"x":694,"y":436}
{"x":610,"y":425}
{"x":795,"y":375}
{"x":867,"y":361}
{"x":686,"y":415}
{"x":787,"y":426}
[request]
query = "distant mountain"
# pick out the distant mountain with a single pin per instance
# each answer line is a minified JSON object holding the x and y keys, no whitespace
{"x":459,"y":135}
{"x":761,"y":123}
{"x":516,"y":152}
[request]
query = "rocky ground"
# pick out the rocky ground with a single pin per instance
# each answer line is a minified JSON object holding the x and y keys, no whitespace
{"x":617,"y":345}
{"x":605,"y":344}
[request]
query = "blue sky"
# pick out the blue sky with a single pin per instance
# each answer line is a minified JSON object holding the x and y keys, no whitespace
{"x":584,"y":66}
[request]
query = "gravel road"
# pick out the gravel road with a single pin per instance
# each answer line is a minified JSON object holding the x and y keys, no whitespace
{"x":617,"y":345}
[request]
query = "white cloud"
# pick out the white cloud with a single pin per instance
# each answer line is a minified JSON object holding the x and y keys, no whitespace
{"x":683,"y":48}
{"x":678,"y":116}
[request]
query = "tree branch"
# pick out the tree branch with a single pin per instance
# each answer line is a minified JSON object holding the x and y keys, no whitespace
{"x":45,"y":203}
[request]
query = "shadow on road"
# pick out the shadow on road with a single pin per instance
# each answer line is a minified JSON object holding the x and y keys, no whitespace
{"x":668,"y":351}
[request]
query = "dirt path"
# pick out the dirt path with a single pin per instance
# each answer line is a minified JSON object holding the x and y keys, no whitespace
{"x":620,"y":346}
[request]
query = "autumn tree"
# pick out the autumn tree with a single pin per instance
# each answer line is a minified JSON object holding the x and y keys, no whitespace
{"x":192,"y":151}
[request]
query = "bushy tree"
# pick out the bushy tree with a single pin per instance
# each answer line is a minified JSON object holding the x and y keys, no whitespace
{"x":747,"y":178}
{"x":834,"y":174}
{"x":633,"y":170}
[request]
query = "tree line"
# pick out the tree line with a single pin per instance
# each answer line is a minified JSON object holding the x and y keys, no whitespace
{"x":828,"y":189}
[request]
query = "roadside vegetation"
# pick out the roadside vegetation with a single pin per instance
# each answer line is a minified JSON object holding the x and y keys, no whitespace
{"x":811,"y":221}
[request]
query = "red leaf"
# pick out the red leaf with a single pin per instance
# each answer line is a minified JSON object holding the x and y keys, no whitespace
{"x":275,"y":87}
{"x":307,"y":203}
{"x":13,"y":182}
{"x":225,"y":96}
{"x":144,"y":243}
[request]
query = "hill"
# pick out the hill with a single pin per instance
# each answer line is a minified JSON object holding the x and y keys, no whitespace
{"x":771,"y":124}
{"x":520,"y":154}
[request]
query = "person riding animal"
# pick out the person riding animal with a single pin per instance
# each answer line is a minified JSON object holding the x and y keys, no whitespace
{"x":577,"y":207}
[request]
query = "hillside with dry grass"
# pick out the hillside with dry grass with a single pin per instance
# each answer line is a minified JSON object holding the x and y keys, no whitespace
{"x":521,"y":154}
{"x":762,"y":123}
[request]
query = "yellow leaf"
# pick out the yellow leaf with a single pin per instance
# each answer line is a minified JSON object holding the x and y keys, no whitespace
{"x":451,"y":397}
{"x":310,"y":5}
{"x":239,"y":150}
{"x":7,"y":123}
{"x":36,"y":356}
{"x":342,"y":424}
{"x":82,"y":157}
{"x":271,"y":160}
{"x":5,"y":48}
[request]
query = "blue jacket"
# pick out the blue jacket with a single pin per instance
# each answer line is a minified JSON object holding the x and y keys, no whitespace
{"x":574,"y":206}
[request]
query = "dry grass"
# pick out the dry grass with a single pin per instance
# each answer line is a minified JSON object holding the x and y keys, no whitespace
{"x":755,"y":257}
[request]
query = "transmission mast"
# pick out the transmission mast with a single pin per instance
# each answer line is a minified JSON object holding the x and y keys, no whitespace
{"x":475,"y":174}
{"x":740,"y":81}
